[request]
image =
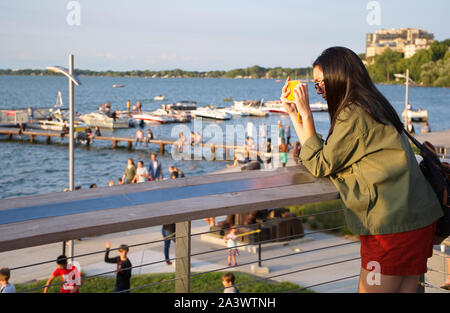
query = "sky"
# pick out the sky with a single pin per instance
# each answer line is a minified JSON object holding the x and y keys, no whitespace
{"x":198,"y":34}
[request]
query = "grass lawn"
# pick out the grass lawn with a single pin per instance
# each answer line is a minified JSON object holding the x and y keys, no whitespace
{"x":200,"y":283}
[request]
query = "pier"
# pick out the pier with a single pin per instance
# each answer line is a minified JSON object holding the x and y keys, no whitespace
{"x":115,"y":140}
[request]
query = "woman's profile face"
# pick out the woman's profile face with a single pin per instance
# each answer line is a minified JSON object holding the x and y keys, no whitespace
{"x":319,"y":83}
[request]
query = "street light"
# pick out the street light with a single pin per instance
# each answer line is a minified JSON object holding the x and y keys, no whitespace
{"x":73,"y":79}
{"x":406,"y":77}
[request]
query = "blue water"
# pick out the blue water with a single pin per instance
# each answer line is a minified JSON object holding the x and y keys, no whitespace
{"x":28,"y":169}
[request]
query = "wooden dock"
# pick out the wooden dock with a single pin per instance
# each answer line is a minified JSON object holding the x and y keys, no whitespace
{"x":115,"y":140}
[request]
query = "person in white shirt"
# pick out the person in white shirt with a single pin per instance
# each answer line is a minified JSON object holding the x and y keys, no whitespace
{"x":141,"y":173}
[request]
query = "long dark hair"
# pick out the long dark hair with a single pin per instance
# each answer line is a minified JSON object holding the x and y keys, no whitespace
{"x":348,"y":82}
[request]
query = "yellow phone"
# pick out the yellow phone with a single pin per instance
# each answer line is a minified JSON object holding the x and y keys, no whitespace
{"x":292,"y":85}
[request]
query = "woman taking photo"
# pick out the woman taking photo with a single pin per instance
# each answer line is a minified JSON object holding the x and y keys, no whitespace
{"x":388,"y":201}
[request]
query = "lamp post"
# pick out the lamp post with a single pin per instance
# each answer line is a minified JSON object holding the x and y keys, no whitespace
{"x":406,"y":77}
{"x":73,"y":79}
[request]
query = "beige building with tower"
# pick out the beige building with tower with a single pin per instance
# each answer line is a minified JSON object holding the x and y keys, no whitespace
{"x":404,"y":40}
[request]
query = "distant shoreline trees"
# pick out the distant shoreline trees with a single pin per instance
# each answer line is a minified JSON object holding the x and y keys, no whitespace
{"x":249,"y":72}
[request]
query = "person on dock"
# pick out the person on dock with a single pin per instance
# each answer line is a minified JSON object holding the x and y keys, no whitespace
{"x":93,"y":186}
{"x":410,"y":128}
{"x":97,"y":132}
{"x":130,"y":172}
{"x":368,"y":158}
{"x":111,"y":183}
{"x":139,"y":137}
{"x":123,"y":269}
{"x":281,"y":133}
{"x":148,"y":137}
{"x":141,"y":173}
{"x":180,"y":142}
{"x":426,"y":128}
{"x":288,"y":135}
{"x":128,"y":107}
{"x":269,"y":153}
{"x":120,"y":181}
{"x":5,"y":286}
{"x":70,"y":276}
{"x":232,"y":252}
{"x":283,"y":149}
{"x":228,"y":283}
{"x":198,"y":139}
{"x":155,"y":168}
{"x":139,"y":107}
{"x":168,"y":233}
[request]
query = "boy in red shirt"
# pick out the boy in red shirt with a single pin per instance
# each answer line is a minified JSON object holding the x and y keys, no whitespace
{"x":70,"y":276}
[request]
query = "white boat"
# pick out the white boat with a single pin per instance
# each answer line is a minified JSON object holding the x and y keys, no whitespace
{"x":151,"y":118}
{"x":175,"y":116}
{"x":318,"y":107}
{"x":233,"y":112}
{"x":118,"y":86}
{"x":416,"y":116}
{"x":274,"y":106}
{"x":181,"y":106}
{"x":207,"y":112}
{"x":104,"y":121}
{"x":251,"y":107}
{"x":159,"y":98}
{"x":57,"y":125}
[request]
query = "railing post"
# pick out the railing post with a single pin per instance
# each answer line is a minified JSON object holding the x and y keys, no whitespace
{"x":183,"y":257}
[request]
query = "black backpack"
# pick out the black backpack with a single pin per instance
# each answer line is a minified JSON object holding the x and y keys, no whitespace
{"x":438,"y":175}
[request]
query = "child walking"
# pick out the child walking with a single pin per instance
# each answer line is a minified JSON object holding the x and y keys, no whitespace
{"x":123,"y":267}
{"x":232,"y":251}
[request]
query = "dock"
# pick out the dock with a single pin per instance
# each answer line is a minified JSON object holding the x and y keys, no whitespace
{"x":115,"y":140}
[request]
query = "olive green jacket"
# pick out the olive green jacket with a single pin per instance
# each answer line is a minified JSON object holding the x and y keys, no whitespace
{"x":376,"y":173}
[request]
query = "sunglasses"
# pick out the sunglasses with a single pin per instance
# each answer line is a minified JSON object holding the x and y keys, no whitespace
{"x":317,"y":85}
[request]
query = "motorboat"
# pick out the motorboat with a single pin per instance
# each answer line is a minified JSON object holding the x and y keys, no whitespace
{"x":233,"y":112}
{"x":415,"y":115}
{"x":57,"y":125}
{"x":152,"y":118}
{"x":103,"y":120}
{"x":251,"y":107}
{"x":159,"y":98}
{"x":318,"y":107}
{"x":176,"y":116}
{"x":207,"y":112}
{"x":118,"y":86}
{"x":181,"y":106}
{"x":274,"y":106}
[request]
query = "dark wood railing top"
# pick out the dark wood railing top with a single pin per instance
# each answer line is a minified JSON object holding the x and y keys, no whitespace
{"x":42,"y":219}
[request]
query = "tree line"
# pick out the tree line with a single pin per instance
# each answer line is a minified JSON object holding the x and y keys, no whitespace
{"x":249,"y":72}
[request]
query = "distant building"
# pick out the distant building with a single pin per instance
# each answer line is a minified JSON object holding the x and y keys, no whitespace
{"x":404,"y":40}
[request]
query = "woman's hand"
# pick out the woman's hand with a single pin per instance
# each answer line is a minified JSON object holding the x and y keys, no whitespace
{"x":288,"y":106}
{"x":302,"y":101}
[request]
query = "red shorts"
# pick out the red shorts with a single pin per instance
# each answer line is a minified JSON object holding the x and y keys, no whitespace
{"x":399,"y":254}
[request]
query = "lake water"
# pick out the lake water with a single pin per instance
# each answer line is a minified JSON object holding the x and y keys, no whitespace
{"x":28,"y":169}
